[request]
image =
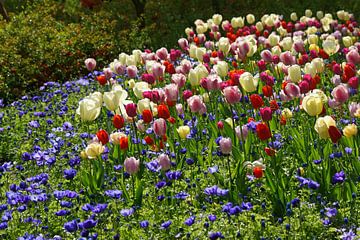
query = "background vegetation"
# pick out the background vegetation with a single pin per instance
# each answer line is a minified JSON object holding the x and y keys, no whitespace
{"x":48,"y":40}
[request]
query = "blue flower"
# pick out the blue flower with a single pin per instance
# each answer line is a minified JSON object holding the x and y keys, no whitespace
{"x":190,"y":221}
{"x":144,"y":224}
{"x":215,"y":191}
{"x":113,"y":193}
{"x":127,"y":212}
{"x":166,"y":225}
{"x":89,"y":223}
{"x":331,"y":212}
{"x":69,"y":173}
{"x":71,"y":226}
{"x":338,"y":177}
{"x":215,"y":235}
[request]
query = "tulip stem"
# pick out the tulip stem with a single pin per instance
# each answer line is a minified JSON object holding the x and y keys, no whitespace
{"x":233,"y":124}
{"x":228,"y":163}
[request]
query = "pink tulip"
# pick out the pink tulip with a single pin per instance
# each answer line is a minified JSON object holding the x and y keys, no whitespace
{"x":304,"y":86}
{"x":119,"y":68}
{"x":225,"y":145}
{"x":220,"y":125}
{"x":299,"y":46}
{"x":292,"y":90}
{"x":196,"y":104}
{"x":353,"y":107}
{"x":164,"y":161}
{"x":232,"y":94}
{"x":179,"y":109}
{"x":209,"y":45}
{"x":287,"y":58}
{"x":159,"y":127}
{"x":340,"y":93}
{"x":179,"y":79}
{"x":354,"y":82}
{"x":244,"y":132}
{"x":337,"y":69}
{"x":183,"y":43}
{"x":162,"y":53}
{"x":108,"y":73}
{"x":90,"y":64}
{"x":333,"y":103}
{"x":187,"y":94}
{"x":148,"y":77}
{"x":132,"y":71}
{"x":158,"y":70}
{"x":132,"y":165}
{"x":353,"y":57}
{"x":171,"y":92}
{"x":266,"y":55}
{"x":266,"y":114}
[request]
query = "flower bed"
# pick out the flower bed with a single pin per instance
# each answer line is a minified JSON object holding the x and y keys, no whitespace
{"x":248,"y":130}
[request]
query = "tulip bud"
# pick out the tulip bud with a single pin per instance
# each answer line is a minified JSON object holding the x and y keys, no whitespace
{"x":225,"y":145}
{"x":94,"y":150}
{"x":90,"y":64}
{"x":242,"y":135}
{"x":164,"y":161}
{"x":159,"y":127}
{"x":132,"y":165}
{"x":183,"y":131}
{"x":266,"y":114}
{"x":131,"y":109}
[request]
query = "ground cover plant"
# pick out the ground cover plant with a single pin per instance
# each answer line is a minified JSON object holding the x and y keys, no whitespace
{"x":248,"y":130}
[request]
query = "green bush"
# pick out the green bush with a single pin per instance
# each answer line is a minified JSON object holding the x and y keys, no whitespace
{"x":44,"y":44}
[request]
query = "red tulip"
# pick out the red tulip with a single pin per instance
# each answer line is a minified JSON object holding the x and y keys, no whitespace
{"x":131,"y":109}
{"x":163,"y":111}
{"x":266,"y":113}
{"x":263,"y":131}
{"x":256,"y":101}
{"x":149,"y":140}
{"x":124,"y":143}
{"x":258,"y":172}
{"x":334,"y":133}
{"x":147,"y":116}
{"x":103,"y":136}
{"x":267,"y":91}
{"x":118,"y":121}
{"x":101,"y":79}
{"x":270,"y":152}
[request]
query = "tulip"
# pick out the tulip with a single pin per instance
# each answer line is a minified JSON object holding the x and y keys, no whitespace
{"x":94,"y":150}
{"x":119,"y":68}
{"x":292,"y":90}
{"x":124,"y":142}
{"x":263,"y":131}
{"x":217,"y":18}
{"x":162,"y":53}
{"x":183,"y":43}
{"x":90,"y":64}
{"x":330,"y":45}
{"x":139,"y":88}
{"x":322,"y":125}
{"x":132,"y":71}
{"x":132,"y":165}
{"x":164,"y":161}
{"x":294,"y":73}
{"x":183,"y":131}
{"x":287,"y":58}
{"x":256,"y":101}
{"x":354,"y":82}
{"x":147,"y":116}
{"x":350,"y":130}
{"x":224,"y":45}
{"x":111,"y":101}
{"x":115,"y":137}
{"x":312,"y":104}
{"x":304,"y":86}
{"x":163,"y":111}
{"x":232,"y":94}
{"x":158,"y":70}
{"x":171,"y":92}
{"x":131,"y":109}
{"x":334,"y":134}
{"x":179,"y":79}
{"x":340,"y":93}
{"x":225,"y":145}
{"x":101,"y":79}
{"x":248,"y":82}
{"x":242,"y":135}
{"x":118,"y":121}
{"x":159,"y":127}
{"x":353,"y":57}
{"x":196,"y":104}
{"x":102,"y":136}
{"x":221,"y":68}
{"x":179,"y":109}
{"x":88,"y":110}
{"x":250,"y":18}
{"x":266,"y":114}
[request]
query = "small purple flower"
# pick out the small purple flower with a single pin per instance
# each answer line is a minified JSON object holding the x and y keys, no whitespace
{"x":116,"y":194}
{"x":215,"y":191}
{"x":89,"y":223}
{"x":166,"y":225}
{"x":190,"y":221}
{"x":127,"y":212}
{"x":213,"y":169}
{"x":69,"y":173}
{"x":212,"y":218}
{"x":71,"y":226}
{"x":181,"y":195}
{"x":338,"y":177}
{"x":215,"y":235}
{"x":144,"y":224}
{"x":331,"y":212}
